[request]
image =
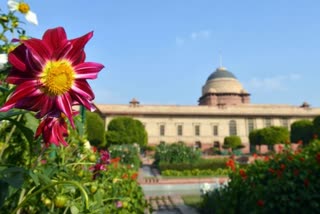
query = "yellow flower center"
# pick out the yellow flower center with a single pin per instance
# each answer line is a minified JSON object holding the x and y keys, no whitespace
{"x":57,"y":77}
{"x":23,"y":7}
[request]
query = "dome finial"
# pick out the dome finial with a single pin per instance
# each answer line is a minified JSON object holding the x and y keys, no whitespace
{"x":220,"y":59}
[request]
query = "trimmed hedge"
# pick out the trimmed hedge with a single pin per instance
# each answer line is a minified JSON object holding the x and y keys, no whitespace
{"x":196,"y":172}
{"x":95,"y":129}
{"x":202,"y":164}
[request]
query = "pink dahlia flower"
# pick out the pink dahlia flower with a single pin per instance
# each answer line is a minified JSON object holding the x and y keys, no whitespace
{"x":53,"y":129}
{"x":50,"y":74}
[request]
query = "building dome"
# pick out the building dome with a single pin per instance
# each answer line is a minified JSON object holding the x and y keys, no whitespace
{"x":223,"y":88}
{"x":222,"y":81}
{"x":221,"y":72}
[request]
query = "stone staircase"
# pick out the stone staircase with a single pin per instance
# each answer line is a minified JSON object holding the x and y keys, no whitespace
{"x":165,"y":204}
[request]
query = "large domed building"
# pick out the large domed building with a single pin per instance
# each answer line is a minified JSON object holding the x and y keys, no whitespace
{"x":223,"y":88}
{"x":224,"y":110}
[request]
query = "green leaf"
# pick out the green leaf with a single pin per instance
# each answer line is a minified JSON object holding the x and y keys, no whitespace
{"x":4,"y":190}
{"x":28,"y":133}
{"x":74,"y":210}
{"x":34,"y":178}
{"x":14,"y":176}
{"x":11,"y":113}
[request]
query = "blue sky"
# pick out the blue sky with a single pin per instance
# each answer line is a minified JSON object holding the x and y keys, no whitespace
{"x":162,"y":51}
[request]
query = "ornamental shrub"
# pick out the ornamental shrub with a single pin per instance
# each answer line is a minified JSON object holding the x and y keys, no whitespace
{"x":95,"y":129}
{"x":201,"y":164}
{"x":126,"y":130}
{"x":269,"y":136}
{"x":232,"y":142}
{"x":176,"y":153}
{"x":283,"y":183}
{"x":128,"y":154}
{"x":302,"y":130}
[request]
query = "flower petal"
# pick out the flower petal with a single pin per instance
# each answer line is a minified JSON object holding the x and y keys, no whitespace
{"x":55,"y":38}
{"x":63,"y":103}
{"x":23,"y":91}
{"x":88,"y":70}
{"x":17,"y":57}
{"x":82,"y":88}
{"x":13,"y":5}
{"x":40,"y":51}
{"x":32,"y":18}
{"x":76,"y":54}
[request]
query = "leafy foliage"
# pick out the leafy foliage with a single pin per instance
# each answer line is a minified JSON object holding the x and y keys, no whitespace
{"x":195,"y":172}
{"x":176,"y":153}
{"x":233,"y":142}
{"x":278,"y":184}
{"x":126,"y":130}
{"x":95,"y":129}
{"x":128,"y":154}
{"x":302,"y":130}
{"x":201,"y":164}
{"x":269,"y":136}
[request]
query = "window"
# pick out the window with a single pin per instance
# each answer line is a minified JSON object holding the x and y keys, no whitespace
{"x":285,"y":122}
{"x":267,"y":122}
{"x":215,"y":130}
{"x":250,"y":125}
{"x":232,"y":128}
{"x":162,"y":130}
{"x":179,"y":130}
{"x":197,"y":130}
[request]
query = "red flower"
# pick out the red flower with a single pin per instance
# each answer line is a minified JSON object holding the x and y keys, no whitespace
{"x":134,"y":176}
{"x":104,"y":157}
{"x":124,"y":176}
{"x":260,"y":203}
{"x":290,"y":158}
{"x":243,"y":174}
{"x":318,"y":157}
{"x":282,"y":166}
{"x":230,"y":163}
{"x":255,"y":156}
{"x":50,"y":74}
{"x":271,"y":170}
{"x":53,"y":129}
{"x":306,"y":182}
{"x":266,"y":158}
{"x":280,"y":148}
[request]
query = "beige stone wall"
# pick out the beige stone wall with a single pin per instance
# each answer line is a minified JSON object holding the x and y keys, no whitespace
{"x":206,"y":117}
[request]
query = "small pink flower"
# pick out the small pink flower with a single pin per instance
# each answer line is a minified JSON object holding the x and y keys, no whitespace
{"x":104,"y":157}
{"x":119,"y":204}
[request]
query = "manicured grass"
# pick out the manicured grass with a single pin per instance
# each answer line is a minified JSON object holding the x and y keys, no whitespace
{"x":192,"y":200}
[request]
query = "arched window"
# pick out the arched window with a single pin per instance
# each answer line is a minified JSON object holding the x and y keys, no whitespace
{"x":250,"y":125}
{"x":232,"y":128}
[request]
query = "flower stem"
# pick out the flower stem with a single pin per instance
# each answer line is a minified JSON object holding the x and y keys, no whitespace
{"x":82,"y":190}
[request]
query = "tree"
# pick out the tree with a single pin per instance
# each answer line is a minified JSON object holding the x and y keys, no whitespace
{"x":269,"y":136}
{"x":232,"y":142}
{"x":95,"y":129}
{"x":302,"y":130}
{"x":126,"y":130}
{"x":316,"y":126}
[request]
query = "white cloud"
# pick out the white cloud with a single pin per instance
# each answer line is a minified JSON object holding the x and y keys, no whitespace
{"x":196,"y":35}
{"x":276,"y":83}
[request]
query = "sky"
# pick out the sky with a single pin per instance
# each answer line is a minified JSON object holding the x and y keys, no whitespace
{"x":162,"y":51}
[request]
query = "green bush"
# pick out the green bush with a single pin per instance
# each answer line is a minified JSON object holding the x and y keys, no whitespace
{"x":269,"y":136}
{"x":201,"y":164}
{"x":302,"y":130}
{"x":285,"y":183}
{"x":126,"y":130}
{"x":232,"y":142}
{"x":128,"y":154}
{"x":176,"y":153}
{"x":196,"y":172}
{"x":95,"y":129}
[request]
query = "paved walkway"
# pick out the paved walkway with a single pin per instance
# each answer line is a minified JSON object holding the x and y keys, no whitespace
{"x":172,"y":204}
